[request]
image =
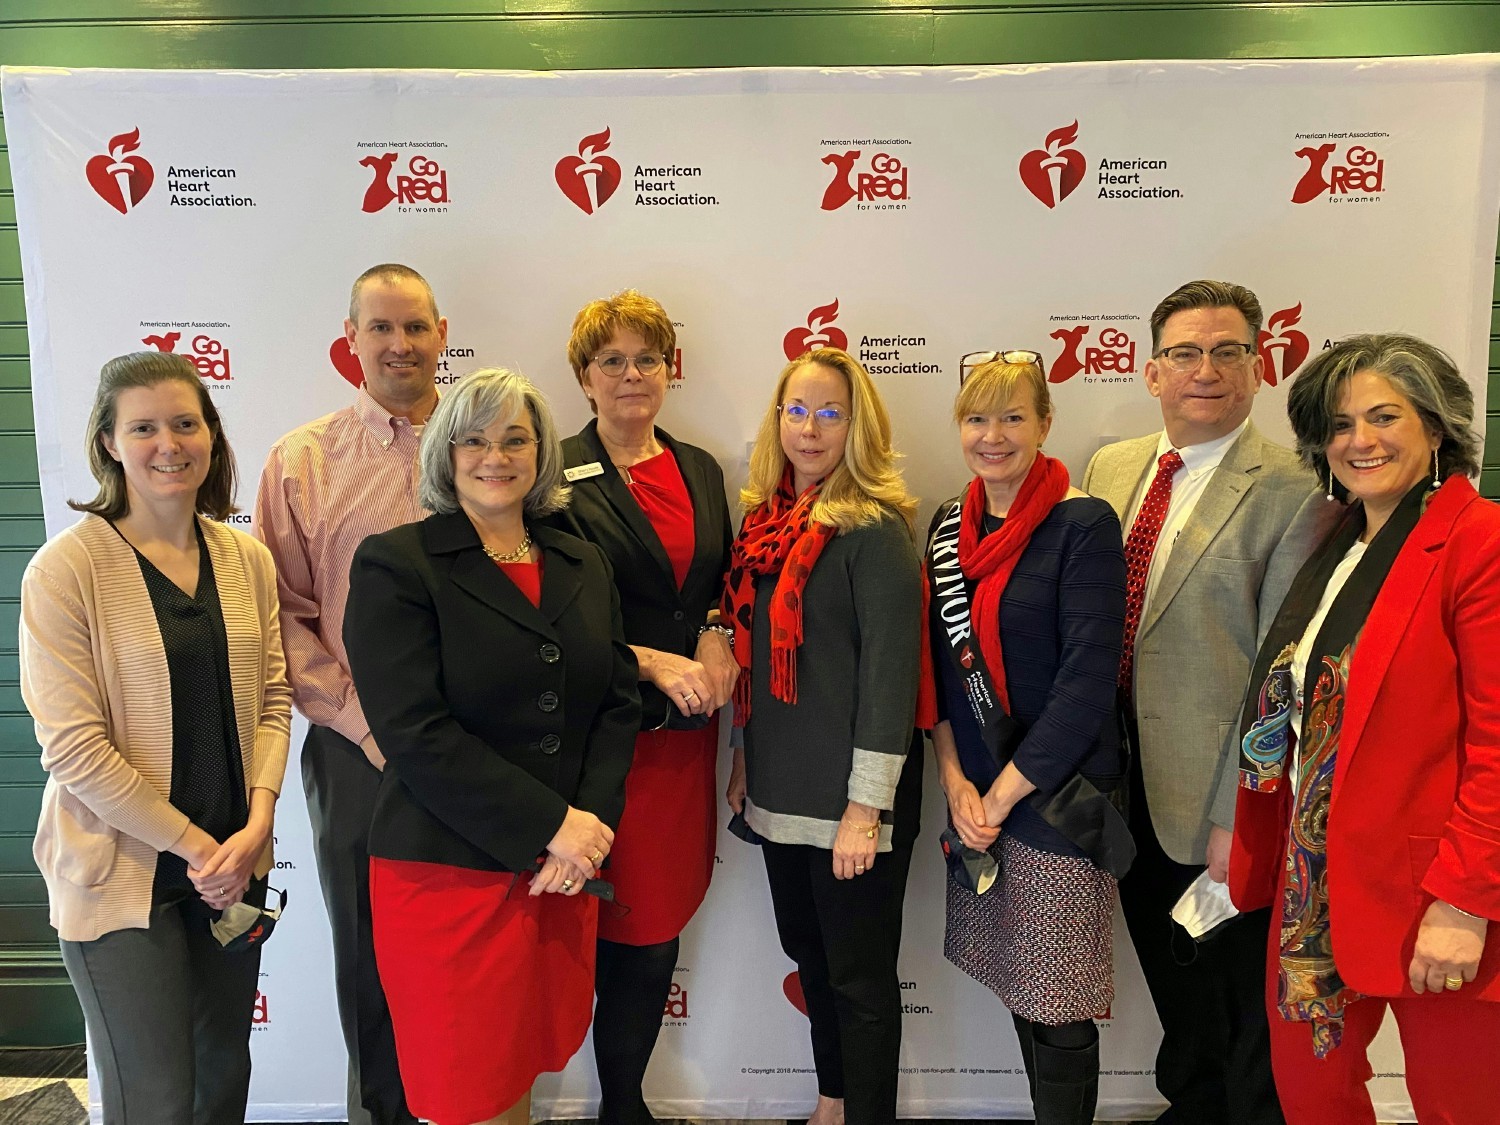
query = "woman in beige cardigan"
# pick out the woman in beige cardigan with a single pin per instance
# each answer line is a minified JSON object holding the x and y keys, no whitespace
{"x":151,"y":662}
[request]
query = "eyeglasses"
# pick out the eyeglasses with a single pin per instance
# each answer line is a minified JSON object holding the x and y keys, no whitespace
{"x":477,"y":445}
{"x":614,"y":364}
{"x":968,"y":363}
{"x":830,"y":417}
{"x":1186,"y":357}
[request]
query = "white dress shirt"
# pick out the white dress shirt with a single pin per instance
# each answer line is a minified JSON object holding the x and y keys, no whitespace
{"x":1198,"y":465}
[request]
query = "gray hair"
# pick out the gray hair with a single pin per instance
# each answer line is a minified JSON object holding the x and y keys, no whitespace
{"x":474,"y":403}
{"x":1424,"y":374}
{"x":1208,"y":294}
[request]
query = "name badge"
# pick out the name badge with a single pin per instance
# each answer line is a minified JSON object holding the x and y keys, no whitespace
{"x":583,"y":472}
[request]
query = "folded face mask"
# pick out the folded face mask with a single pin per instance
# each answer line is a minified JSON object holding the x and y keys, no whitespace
{"x":1203,"y":908}
{"x":245,"y":926}
{"x":972,"y":870}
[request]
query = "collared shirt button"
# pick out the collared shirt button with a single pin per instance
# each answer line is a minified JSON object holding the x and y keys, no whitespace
{"x":547,"y":701}
{"x":551,"y":744}
{"x":550,"y":653}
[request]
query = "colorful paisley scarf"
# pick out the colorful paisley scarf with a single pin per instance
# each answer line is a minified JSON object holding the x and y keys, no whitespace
{"x":781,"y":538}
{"x":1310,"y":989}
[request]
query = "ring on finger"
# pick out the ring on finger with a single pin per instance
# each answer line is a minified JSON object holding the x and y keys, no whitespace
{"x":567,"y":884}
{"x":859,"y":869}
{"x":1453,"y":984}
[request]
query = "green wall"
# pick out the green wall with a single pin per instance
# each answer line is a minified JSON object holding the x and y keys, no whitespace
{"x":36,"y":1005}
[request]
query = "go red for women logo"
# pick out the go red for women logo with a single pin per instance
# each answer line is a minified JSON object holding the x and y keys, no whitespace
{"x":887,"y":179}
{"x":1282,"y":348}
{"x":589,"y":178}
{"x":120,"y":177}
{"x":818,"y":332}
{"x":1111,"y":352}
{"x":421,"y":182}
{"x":1360,"y":173}
{"x":209,"y":355}
{"x":1053,"y":172}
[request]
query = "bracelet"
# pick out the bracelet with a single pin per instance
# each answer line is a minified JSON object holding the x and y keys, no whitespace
{"x":723,"y":631}
{"x":1465,"y":913}
{"x":868,"y":829}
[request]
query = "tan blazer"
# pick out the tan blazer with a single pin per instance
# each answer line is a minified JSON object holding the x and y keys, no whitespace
{"x":94,"y":676}
{"x":1256,"y":522}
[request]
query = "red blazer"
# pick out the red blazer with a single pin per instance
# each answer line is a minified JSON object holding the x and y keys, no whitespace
{"x":1415,"y":810}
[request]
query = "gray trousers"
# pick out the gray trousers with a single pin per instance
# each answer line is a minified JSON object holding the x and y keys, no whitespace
{"x":341,"y":786}
{"x":169,"y":1014}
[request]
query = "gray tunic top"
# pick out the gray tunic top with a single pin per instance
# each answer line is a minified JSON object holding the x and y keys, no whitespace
{"x":847,"y":736}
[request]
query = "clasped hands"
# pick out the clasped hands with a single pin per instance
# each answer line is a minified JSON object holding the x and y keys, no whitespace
{"x":698,"y":685}
{"x":574,"y":854}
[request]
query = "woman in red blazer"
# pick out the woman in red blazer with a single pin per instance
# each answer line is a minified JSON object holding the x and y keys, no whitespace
{"x":1370,"y":763}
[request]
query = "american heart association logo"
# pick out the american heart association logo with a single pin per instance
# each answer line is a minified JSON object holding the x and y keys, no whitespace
{"x":345,"y":362}
{"x":121,"y":180}
{"x":589,"y":178}
{"x":819,"y":332}
{"x":1051,"y":173}
{"x":1282,"y":348}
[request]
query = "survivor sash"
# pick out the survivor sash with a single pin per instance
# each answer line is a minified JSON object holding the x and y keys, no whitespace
{"x":1087,"y":817}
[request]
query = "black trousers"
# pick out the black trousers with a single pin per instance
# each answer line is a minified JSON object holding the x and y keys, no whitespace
{"x":1214,"y":1065}
{"x":844,"y":935}
{"x":169,"y":1013}
{"x":341,"y":785}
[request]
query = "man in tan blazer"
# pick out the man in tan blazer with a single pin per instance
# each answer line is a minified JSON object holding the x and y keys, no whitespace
{"x":1218,"y":521}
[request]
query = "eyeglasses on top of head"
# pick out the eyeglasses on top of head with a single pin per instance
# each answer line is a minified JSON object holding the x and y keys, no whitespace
{"x":1187,"y":357}
{"x":967,"y":364}
{"x":477,"y":445}
{"x":831,"y":417}
{"x":614,"y":364}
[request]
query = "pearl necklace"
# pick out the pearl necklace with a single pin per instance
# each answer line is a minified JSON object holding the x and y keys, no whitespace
{"x":510,"y":556}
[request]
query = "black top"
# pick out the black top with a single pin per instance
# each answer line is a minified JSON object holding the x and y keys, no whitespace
{"x":1062,"y":621}
{"x":494,"y":715}
{"x":208,"y":777}
{"x":656,"y":613}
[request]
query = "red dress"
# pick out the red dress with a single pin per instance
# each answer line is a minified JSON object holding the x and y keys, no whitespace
{"x":663,"y":853}
{"x":488,"y":987}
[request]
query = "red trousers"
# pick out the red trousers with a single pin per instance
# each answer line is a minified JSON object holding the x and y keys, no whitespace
{"x":1452,"y":1046}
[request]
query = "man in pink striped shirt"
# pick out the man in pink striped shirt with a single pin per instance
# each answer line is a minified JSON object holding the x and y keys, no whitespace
{"x":326,"y":486}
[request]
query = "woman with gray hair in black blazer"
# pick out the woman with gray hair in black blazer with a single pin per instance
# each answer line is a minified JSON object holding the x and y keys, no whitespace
{"x":489,"y":653}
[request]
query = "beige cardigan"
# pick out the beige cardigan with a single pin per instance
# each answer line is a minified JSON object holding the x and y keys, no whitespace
{"x":94,"y":676}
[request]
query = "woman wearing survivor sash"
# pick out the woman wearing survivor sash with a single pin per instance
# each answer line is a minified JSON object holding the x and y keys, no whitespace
{"x":825,"y":600}
{"x":1026,"y":590}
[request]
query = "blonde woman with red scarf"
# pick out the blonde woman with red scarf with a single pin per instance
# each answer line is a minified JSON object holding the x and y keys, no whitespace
{"x":1026,"y":611}
{"x":825,"y":598}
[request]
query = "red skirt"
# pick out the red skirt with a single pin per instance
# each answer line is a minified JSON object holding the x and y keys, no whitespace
{"x":488,"y":987}
{"x":663,"y":854}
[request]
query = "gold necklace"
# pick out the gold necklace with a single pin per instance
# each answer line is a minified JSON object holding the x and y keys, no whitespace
{"x":510,"y":556}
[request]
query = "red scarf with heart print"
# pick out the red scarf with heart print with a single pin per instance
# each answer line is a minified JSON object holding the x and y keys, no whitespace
{"x":778,"y":538}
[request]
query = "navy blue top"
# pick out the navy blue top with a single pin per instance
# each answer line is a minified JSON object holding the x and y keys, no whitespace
{"x":1062,"y":622}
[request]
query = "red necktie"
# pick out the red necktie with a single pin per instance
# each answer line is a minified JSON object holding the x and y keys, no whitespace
{"x":1139,"y":547}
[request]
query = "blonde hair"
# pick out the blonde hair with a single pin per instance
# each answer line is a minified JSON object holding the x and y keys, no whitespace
{"x":993,"y":385}
{"x":866,"y":483}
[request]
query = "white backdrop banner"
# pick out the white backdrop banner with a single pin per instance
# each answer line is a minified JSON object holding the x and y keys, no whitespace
{"x":908,"y":215}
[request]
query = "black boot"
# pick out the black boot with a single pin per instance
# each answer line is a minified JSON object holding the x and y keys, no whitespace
{"x":632,"y":983}
{"x":1066,"y":1089}
{"x":1027,"y":1037}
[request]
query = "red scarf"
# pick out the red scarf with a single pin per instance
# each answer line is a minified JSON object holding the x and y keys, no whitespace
{"x":989,"y":561}
{"x":780,"y":538}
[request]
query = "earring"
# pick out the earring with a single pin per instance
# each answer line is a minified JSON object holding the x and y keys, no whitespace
{"x":1330,"y":483}
{"x":1437,"y":479}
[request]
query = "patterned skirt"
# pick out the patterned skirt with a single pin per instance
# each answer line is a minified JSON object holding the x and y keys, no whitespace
{"x":1041,"y":938}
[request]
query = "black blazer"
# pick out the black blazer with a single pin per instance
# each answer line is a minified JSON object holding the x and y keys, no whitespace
{"x":494,"y":716}
{"x":657,"y":615}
